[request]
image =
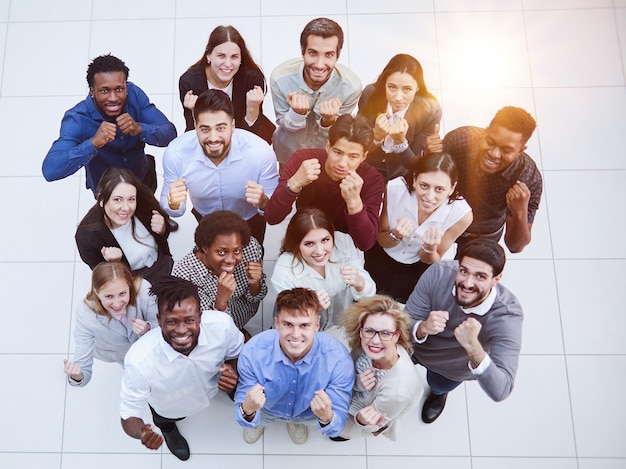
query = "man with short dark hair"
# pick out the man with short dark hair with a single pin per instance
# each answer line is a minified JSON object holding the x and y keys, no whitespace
{"x":498,"y":179}
{"x":466,"y":325}
{"x":337,"y":180}
{"x":177,"y":368}
{"x":219,"y":166}
{"x":294,"y":373}
{"x":309,"y":93}
{"x":109,"y":128}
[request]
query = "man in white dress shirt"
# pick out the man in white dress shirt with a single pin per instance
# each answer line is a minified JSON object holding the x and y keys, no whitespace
{"x":177,"y":368}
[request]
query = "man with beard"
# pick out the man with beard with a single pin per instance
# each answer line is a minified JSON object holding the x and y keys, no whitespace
{"x":310,"y":93}
{"x":177,"y":368}
{"x":219,"y":167}
{"x":109,"y":128}
{"x":466,"y":326}
{"x":498,"y":179}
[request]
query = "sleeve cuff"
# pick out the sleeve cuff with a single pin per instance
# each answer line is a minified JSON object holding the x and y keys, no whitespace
{"x":482,"y":367}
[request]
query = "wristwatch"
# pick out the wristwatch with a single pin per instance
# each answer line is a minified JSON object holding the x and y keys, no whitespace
{"x":243,"y":412}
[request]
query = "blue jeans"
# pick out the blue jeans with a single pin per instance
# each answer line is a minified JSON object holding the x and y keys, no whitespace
{"x":440,"y":384}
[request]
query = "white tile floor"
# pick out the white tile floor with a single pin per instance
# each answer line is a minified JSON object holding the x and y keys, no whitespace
{"x":563,"y":60}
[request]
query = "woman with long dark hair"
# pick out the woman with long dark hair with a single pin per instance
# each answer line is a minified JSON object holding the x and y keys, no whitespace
{"x":227,"y":65}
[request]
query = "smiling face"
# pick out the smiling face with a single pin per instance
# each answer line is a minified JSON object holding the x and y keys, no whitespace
{"x":114,"y":296}
{"x":224,"y":253}
{"x":109,"y":93}
{"x":474,"y":281}
{"x":215,"y":131}
{"x":121,"y":206}
{"x":320,"y":57}
{"x":432,"y":190}
{"x":343,"y":156}
{"x":400,"y":90}
{"x":223,"y":63}
{"x":499,"y":148}
{"x":382,"y":351}
{"x":181,"y":325}
{"x":296,"y":332}
{"x":316,"y":248}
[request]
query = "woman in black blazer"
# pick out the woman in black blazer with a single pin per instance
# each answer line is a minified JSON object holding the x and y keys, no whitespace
{"x":403,"y":113}
{"x":126,"y":224}
{"x":227,"y":64}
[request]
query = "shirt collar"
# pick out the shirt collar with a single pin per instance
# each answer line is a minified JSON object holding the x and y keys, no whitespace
{"x":172,"y":354}
{"x":481,"y":309}
{"x":279,"y":355}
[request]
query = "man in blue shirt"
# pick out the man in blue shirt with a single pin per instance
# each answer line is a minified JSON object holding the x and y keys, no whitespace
{"x":219,"y":166}
{"x":294,"y":373}
{"x":109,"y":128}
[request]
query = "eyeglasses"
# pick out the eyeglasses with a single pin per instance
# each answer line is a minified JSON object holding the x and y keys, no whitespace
{"x":368,"y":333}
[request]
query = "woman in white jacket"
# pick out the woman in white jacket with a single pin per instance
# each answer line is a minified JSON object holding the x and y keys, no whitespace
{"x":387,"y":385}
{"x":116,"y":312}
{"x":315,"y":256}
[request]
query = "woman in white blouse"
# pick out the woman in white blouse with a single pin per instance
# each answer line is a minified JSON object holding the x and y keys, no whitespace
{"x":126,"y":224}
{"x":115,"y":313}
{"x":315,"y":256}
{"x":422,"y":216}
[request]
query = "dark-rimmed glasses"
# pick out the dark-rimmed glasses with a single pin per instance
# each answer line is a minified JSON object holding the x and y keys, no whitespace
{"x":385,"y":335}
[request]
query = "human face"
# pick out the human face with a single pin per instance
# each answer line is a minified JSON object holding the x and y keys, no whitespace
{"x":109,"y":93}
{"x":343,"y":156}
{"x":432,"y":190}
{"x":382,"y":351}
{"x":499,"y":148}
{"x":474,"y":281}
{"x":214,"y":131}
{"x":224,"y":253}
{"x":224,"y":62}
{"x":316,"y":248}
{"x":121,"y":206}
{"x":400,"y":90}
{"x":114,"y":296}
{"x":296,"y":332}
{"x":320,"y":57}
{"x":181,"y":325}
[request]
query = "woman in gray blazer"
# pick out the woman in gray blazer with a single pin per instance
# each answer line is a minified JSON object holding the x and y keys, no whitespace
{"x":116,"y":312}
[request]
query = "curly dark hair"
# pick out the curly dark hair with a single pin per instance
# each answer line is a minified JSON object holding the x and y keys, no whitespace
{"x":218,"y":223}
{"x":170,"y":291}
{"x":516,"y":120}
{"x":104,"y":64}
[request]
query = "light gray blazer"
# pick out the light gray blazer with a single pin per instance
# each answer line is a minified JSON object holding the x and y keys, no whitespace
{"x":108,"y":339}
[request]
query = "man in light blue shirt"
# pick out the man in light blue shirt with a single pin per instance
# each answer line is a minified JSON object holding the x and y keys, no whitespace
{"x":294,"y":373}
{"x":219,"y":167}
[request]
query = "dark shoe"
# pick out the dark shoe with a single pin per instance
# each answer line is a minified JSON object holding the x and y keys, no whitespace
{"x":173,"y":226}
{"x":433,"y":407}
{"x":339,"y":438}
{"x":177,"y":444}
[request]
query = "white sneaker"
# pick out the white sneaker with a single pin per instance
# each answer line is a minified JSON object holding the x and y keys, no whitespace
{"x":298,"y":432}
{"x":251,"y":435}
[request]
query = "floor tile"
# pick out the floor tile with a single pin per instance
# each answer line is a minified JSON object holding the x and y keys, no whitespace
{"x":369,"y":7}
{"x":565,"y":4}
{"x":223,"y":461}
{"x":560,"y":41}
{"x":590,"y":290}
{"x":137,"y":9}
{"x":391,"y":460}
{"x":601,"y":463}
{"x":209,"y":8}
{"x":16,"y":460}
{"x":534,"y":285}
{"x":106,"y":461}
{"x":524,"y":463}
{"x":596,"y":384}
{"x":327,"y":8}
{"x":22,"y":405}
{"x":534,"y":421}
{"x":580,"y":226}
{"x":29,"y":245}
{"x":60,"y":10}
{"x":575,"y":152}
{"x":51,"y":314}
{"x":23,"y":77}
{"x":314,"y":461}
{"x":492,"y":48}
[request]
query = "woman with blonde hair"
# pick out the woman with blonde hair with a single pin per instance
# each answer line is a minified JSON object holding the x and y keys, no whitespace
{"x":116,"y":312}
{"x":387,"y":385}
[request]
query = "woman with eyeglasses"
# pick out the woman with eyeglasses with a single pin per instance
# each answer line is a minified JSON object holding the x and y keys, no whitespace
{"x":387,"y":385}
{"x":227,"y":65}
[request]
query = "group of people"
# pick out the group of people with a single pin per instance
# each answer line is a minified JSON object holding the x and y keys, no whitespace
{"x":363,"y":294}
